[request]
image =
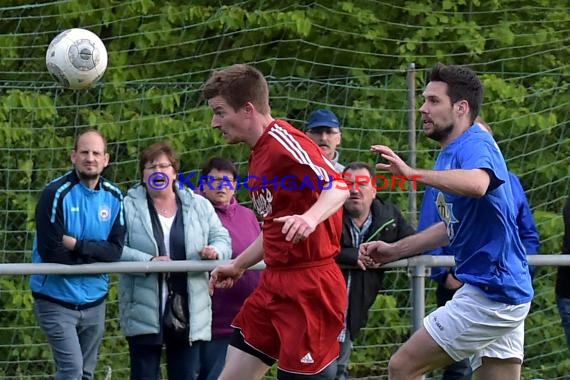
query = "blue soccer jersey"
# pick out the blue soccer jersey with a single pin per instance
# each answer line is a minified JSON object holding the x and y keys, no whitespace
{"x":482,"y":231}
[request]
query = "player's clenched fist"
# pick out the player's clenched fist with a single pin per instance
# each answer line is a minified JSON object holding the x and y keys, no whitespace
{"x":379,"y":251}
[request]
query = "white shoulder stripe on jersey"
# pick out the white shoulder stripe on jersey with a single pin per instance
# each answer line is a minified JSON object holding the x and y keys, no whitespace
{"x":292,"y":146}
{"x":55,"y":202}
{"x":290,"y":143}
{"x":108,"y":185}
{"x":328,"y":162}
{"x":119,"y":194}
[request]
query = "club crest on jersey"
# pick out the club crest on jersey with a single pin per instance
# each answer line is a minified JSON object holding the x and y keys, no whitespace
{"x":262,"y":200}
{"x":445,"y":211}
{"x":104,"y":213}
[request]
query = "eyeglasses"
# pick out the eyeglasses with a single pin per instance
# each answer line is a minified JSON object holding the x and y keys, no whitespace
{"x":158,"y":166}
{"x":321,"y":130}
{"x":215,"y":181}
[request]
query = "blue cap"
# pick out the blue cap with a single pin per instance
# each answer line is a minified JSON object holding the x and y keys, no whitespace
{"x":323,"y":118}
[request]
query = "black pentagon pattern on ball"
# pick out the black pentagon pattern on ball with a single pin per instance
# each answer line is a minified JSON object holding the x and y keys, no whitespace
{"x":58,"y":38}
{"x":58,"y":74}
{"x":83,"y":55}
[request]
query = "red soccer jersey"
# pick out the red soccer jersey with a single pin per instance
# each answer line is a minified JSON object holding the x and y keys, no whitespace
{"x":286,"y":172}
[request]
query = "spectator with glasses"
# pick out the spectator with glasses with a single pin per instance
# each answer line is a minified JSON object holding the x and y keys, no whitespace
{"x":166,"y":222}
{"x":323,"y":128}
{"x":218,"y":186}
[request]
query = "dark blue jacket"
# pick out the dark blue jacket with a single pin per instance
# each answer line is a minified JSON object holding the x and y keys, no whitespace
{"x":525,"y":222}
{"x":92,"y":216}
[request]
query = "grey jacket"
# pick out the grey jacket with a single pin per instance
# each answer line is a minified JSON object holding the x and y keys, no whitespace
{"x":139,"y":293}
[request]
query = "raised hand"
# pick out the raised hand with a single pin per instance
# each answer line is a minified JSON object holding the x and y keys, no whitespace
{"x":395,"y":164}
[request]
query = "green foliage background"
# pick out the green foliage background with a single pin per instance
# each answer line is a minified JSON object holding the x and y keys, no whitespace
{"x":350,"y":56}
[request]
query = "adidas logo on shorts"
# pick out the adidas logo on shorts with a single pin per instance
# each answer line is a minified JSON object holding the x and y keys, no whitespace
{"x":307,"y":359}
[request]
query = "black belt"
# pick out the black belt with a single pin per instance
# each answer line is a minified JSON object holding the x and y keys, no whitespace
{"x":68,"y":305}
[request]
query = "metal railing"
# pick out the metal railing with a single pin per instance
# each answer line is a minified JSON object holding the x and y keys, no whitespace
{"x":418,"y":269}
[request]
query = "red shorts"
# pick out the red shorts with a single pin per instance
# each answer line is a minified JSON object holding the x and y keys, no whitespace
{"x":296,"y":315}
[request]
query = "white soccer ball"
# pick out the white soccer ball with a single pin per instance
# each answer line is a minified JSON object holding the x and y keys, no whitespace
{"x":76,"y":58}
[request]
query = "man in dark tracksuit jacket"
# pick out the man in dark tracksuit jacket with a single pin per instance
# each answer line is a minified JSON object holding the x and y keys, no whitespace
{"x":79,"y":220}
{"x":366,"y":218}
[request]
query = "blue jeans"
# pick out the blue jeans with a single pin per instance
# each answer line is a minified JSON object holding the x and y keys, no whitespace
{"x":181,"y":361}
{"x":74,"y":337}
{"x":564,"y":310}
{"x":344,"y":357}
{"x":213,"y":358}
